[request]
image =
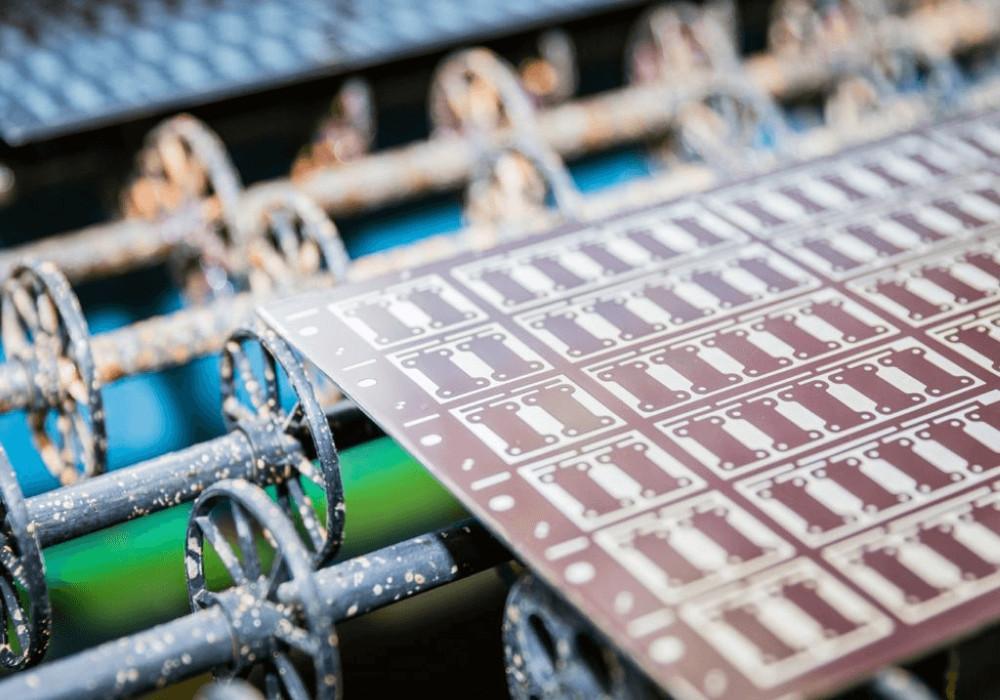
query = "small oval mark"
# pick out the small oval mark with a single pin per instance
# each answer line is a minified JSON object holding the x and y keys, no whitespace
{"x":501,"y":503}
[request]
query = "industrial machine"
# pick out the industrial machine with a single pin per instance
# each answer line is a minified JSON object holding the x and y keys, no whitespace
{"x":570,"y":350}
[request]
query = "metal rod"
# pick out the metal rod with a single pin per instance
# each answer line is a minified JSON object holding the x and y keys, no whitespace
{"x":178,"y":477}
{"x":151,"y":345}
{"x":614,"y":118}
{"x":147,"y":487}
{"x":166,"y":654}
{"x":202,"y":641}
{"x":360,"y":585}
{"x":97,"y":251}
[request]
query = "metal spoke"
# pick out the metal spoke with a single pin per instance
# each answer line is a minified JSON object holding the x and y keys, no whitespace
{"x":11,"y":563}
{"x":308,"y":470}
{"x":289,"y":677}
{"x":222,"y":547}
{"x":174,"y":163}
{"x":237,"y":411}
{"x":274,"y":576}
{"x":83,"y":433}
{"x":285,"y":234}
{"x":8,"y":613}
{"x":310,"y":258}
{"x":272,"y":686}
{"x":206,"y":598}
{"x":251,"y":383}
{"x":293,"y":421}
{"x":269,"y":261}
{"x":76,"y":386}
{"x":46,"y":447}
{"x":15,"y":333}
{"x":297,"y":638}
{"x":284,"y":498}
{"x":64,"y":428}
{"x":48,"y":316}
{"x":271,"y":381}
{"x":317,"y":533}
{"x":247,"y":541}
{"x":25,"y":306}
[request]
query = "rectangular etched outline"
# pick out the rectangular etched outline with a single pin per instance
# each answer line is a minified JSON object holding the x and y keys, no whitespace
{"x":339,"y":309}
{"x":838,"y":164}
{"x":481,"y":432}
{"x":839,"y":556}
{"x":988,"y":315}
{"x":600,"y":233}
{"x":713,"y":263}
{"x":610,"y":539}
{"x":749,"y":488}
{"x":873,"y":625}
{"x":791,"y":244}
{"x":533,"y":473}
{"x":399,"y":358}
{"x":794,"y":305}
{"x":859,"y":286}
{"x":815,"y":374}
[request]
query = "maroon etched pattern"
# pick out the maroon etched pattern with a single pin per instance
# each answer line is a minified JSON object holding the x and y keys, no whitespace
{"x":930,"y":289}
{"x":755,"y":435}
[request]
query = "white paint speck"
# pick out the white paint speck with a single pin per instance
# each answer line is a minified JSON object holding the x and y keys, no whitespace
{"x":715,"y":683}
{"x":501,"y":503}
{"x":580,"y":572}
{"x":624,"y":602}
{"x":666,"y":650}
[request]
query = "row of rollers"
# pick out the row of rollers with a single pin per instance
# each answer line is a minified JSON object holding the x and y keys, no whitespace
{"x":687,"y":84}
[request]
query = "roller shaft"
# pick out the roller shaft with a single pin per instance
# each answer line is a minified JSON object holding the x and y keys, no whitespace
{"x":178,"y":477}
{"x":202,"y":641}
{"x":125,"y":494}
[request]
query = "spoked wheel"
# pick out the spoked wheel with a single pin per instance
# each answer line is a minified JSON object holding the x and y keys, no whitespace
{"x":254,"y":392}
{"x":819,"y":26}
{"x":346,"y":133}
{"x":673,"y":41}
{"x":43,"y":327}
{"x":476,"y":91}
{"x":260,"y":549}
{"x":26,"y":622}
{"x":552,"y":652}
{"x":186,"y":178}
{"x":726,"y":123}
{"x":519,"y":178}
{"x":289,"y":238}
{"x":184,"y":160}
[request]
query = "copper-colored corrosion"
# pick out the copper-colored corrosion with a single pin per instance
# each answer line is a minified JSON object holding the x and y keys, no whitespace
{"x":611,"y":119}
